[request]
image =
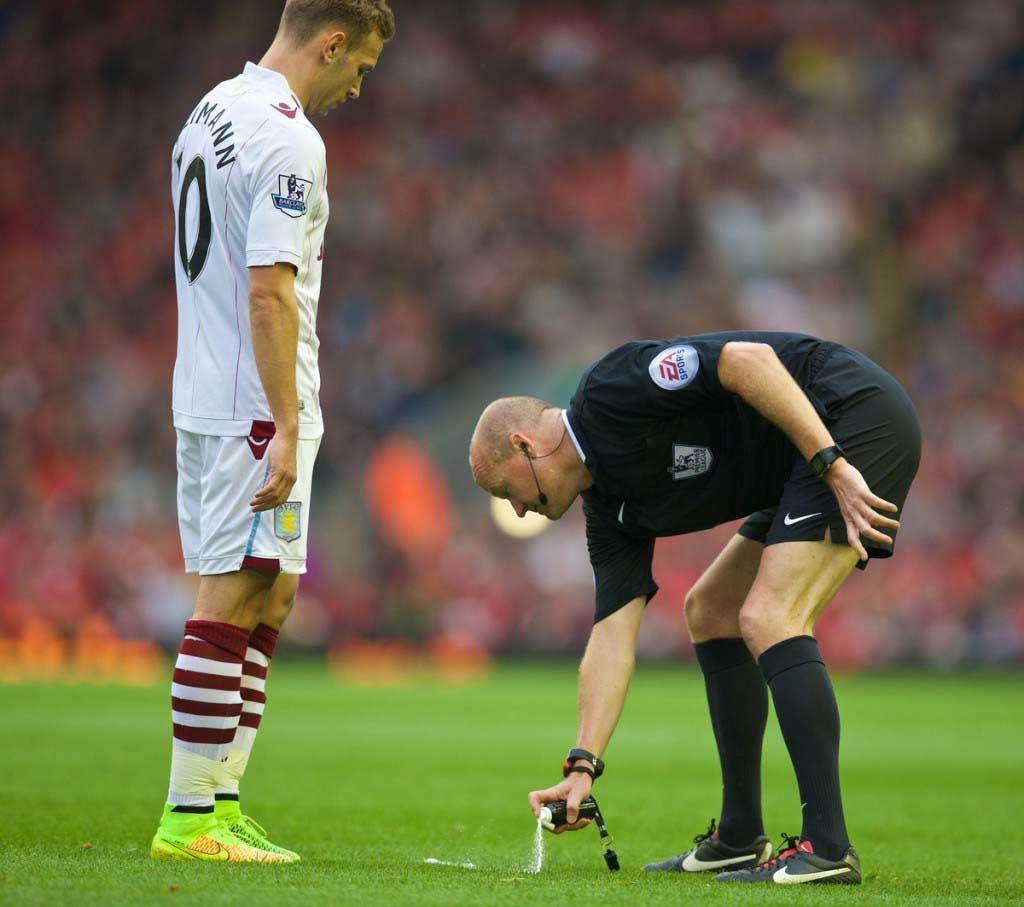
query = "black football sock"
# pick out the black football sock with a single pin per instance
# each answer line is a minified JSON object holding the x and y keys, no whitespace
{"x":738,"y":702}
{"x":809,"y":717}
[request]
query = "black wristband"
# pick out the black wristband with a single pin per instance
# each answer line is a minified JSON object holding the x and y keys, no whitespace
{"x":583,"y":770}
{"x":576,"y":754}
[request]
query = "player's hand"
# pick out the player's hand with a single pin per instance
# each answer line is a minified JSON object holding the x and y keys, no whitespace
{"x":281,"y":478}
{"x":573,"y":790}
{"x":860,"y":507}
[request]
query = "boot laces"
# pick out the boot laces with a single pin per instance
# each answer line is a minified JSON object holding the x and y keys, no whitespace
{"x":700,"y":839}
{"x":256,"y":825}
{"x":249,"y":826}
{"x":787,"y":848}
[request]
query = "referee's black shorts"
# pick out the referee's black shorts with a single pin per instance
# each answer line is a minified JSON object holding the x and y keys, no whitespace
{"x":872,"y":418}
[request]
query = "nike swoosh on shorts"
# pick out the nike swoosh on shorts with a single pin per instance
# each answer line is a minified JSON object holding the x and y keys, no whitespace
{"x":790,"y":522}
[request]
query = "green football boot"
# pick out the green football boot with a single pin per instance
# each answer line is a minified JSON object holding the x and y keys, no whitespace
{"x":229,"y":815}
{"x":200,"y":836}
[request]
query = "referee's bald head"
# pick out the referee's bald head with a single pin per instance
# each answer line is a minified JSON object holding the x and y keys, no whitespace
{"x":519,"y":453}
{"x":492,"y":443}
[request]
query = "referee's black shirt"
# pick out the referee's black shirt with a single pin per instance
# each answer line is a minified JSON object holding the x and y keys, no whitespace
{"x":671,"y":451}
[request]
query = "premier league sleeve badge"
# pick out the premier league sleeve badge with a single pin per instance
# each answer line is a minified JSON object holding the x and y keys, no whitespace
{"x":292,"y":192}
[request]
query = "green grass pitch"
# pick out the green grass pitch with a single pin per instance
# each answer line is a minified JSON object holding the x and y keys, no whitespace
{"x":368,"y":782}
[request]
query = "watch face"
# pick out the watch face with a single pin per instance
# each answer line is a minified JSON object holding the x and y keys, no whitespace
{"x":821,"y":461}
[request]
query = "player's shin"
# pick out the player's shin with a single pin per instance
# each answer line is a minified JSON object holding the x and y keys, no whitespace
{"x":254,"y":699}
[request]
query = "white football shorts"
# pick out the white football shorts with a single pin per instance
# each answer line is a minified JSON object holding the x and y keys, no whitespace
{"x":217,"y":477}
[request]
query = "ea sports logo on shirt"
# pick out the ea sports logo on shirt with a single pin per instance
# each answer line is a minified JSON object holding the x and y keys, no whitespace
{"x":292,"y":191}
{"x":674,"y":368}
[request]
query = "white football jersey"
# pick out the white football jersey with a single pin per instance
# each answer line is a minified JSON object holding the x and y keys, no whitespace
{"x":248,"y":184}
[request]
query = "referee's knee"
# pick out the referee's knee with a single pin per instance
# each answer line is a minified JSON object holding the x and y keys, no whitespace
{"x":764,"y":622}
{"x":705,"y":618}
{"x":754,"y":623}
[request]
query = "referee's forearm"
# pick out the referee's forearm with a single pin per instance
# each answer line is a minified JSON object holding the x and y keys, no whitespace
{"x":274,"y":321}
{"x":605,"y":672}
{"x":754,"y":373}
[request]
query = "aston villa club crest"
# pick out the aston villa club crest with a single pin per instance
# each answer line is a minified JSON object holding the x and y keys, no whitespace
{"x":688,"y":461}
{"x":293,"y":191}
{"x":288,"y":521}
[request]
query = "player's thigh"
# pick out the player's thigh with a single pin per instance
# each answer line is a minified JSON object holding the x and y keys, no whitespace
{"x":794,"y":583}
{"x":280,"y":600}
{"x":232,"y":536}
{"x":217,"y":477}
{"x":233,"y":598}
{"x":236,"y":469}
{"x":189,"y":458}
{"x":713,"y":603}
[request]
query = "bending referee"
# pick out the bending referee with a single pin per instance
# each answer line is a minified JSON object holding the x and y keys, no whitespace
{"x":810,"y":441}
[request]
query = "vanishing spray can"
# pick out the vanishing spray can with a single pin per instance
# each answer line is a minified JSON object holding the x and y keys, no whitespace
{"x":554,"y":814}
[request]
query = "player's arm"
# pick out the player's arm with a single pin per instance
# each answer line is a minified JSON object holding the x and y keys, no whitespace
{"x":605,"y":672}
{"x":754,"y":372}
{"x":274,"y":321}
{"x":283,"y":165}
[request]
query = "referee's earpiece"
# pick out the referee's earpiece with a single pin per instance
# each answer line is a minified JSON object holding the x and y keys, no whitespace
{"x":543,"y":498}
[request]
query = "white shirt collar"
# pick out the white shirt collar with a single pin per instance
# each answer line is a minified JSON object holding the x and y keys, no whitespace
{"x":572,"y":434}
{"x":271,"y":78}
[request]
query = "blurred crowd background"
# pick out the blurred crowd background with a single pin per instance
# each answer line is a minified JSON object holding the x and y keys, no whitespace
{"x":521,"y":187}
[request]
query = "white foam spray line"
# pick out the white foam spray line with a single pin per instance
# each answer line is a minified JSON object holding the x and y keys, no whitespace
{"x":436,"y":862}
{"x":537,"y":864}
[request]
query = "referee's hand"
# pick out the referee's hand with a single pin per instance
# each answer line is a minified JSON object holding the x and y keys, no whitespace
{"x":281,"y":478}
{"x":573,"y":790}
{"x":860,"y":507}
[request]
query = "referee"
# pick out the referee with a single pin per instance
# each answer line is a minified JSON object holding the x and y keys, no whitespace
{"x":812,"y":443}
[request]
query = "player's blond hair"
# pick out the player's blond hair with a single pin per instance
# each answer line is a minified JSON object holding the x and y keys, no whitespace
{"x":304,"y":19}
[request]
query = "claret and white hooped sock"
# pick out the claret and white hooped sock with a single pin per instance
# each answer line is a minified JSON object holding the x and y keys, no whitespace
{"x":206,"y":704}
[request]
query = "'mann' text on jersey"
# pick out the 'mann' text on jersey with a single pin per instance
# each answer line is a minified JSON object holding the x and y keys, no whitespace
{"x":209,"y":113}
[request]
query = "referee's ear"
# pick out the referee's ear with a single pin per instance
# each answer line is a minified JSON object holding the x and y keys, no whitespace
{"x":519,"y":442}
